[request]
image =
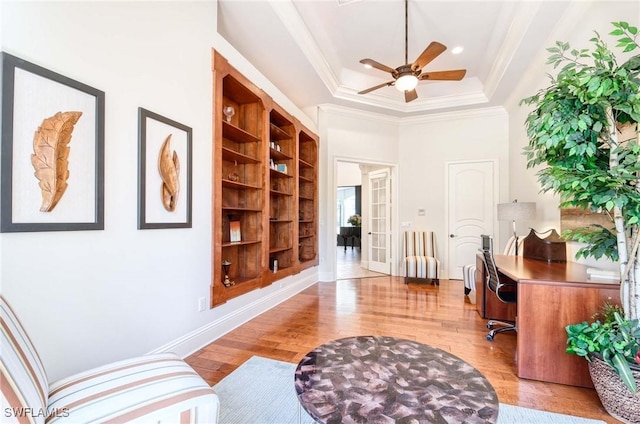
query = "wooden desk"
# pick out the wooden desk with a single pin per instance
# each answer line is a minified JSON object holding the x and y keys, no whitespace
{"x":551,"y":295}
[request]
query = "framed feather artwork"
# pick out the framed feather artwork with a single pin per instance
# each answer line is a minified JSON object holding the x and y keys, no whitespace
{"x":52,"y":155}
{"x":164,"y":172}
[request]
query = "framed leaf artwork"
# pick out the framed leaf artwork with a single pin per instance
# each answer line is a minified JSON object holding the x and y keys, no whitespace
{"x":164,"y":172}
{"x":52,"y":156}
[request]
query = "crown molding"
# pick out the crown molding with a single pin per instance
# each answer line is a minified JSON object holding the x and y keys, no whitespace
{"x":419,"y":105}
{"x":484,"y":112}
{"x":357,"y":113}
{"x":512,"y":42}
{"x":538,"y":72}
{"x":291,"y":20}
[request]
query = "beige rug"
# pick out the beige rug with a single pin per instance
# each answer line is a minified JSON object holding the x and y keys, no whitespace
{"x":261,"y":391}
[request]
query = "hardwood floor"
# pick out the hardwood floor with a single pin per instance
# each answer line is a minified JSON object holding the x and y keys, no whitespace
{"x":348,"y":265}
{"x":438,"y":316}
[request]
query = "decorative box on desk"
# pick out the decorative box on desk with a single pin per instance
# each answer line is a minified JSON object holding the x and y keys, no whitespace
{"x":552,"y":248}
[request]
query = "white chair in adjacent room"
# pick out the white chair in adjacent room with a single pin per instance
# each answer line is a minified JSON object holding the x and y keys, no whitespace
{"x":469,"y":270}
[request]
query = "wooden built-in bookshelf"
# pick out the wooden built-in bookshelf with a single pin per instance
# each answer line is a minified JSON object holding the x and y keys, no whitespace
{"x":265,"y":172}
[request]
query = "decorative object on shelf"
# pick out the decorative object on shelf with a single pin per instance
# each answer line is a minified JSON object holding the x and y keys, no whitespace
{"x":611,"y":344}
{"x":226,"y":266}
{"x":228,"y":112}
{"x":235,"y":234}
{"x":174,"y":177}
{"x":278,"y":147}
{"x":514,"y":211}
{"x":282,"y":167}
{"x":50,"y":156}
{"x":273,"y":265}
{"x":169,"y":167}
{"x":272,"y":145}
{"x":355,"y":220}
{"x":233,"y":175}
{"x":272,"y":164}
{"x":29,"y":93}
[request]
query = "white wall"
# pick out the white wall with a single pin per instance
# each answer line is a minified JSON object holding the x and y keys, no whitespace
{"x":427,"y":144}
{"x":420,"y":147}
{"x":352,"y":136}
{"x":349,"y":174}
{"x":90,"y":297}
{"x":576,"y":27}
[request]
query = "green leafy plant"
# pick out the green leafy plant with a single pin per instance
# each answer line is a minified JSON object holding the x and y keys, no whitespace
{"x":610,"y":337}
{"x":574,"y":135}
{"x":355,"y":220}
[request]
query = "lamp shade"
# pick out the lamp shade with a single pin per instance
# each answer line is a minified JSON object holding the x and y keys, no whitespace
{"x":516,"y":211}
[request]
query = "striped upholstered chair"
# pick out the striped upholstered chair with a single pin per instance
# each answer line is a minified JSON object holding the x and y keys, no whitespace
{"x":158,"y":388}
{"x":420,"y":259}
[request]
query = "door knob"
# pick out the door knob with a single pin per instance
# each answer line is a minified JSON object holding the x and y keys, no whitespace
{"x":369,"y":233}
{"x":452,"y":235}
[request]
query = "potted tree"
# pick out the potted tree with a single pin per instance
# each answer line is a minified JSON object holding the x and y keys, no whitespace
{"x":611,"y":344}
{"x":575,"y":135}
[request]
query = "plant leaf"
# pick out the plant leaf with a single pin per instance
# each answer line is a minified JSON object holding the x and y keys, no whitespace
{"x":169,"y":167}
{"x":50,"y":156}
{"x":622,"y":366}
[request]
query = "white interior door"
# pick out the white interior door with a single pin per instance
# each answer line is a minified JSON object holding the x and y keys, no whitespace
{"x":379,"y":224}
{"x":471,"y":187}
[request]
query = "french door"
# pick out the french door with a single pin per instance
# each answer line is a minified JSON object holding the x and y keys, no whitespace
{"x":380,"y":221}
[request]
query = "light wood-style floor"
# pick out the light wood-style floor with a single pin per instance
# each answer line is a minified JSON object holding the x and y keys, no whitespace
{"x":438,"y":316}
{"x":348,"y":264}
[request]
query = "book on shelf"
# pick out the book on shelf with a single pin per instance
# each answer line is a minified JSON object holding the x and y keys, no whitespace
{"x":235,"y":233}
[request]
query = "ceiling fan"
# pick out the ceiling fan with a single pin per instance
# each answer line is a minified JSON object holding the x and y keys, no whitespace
{"x":406,"y":77}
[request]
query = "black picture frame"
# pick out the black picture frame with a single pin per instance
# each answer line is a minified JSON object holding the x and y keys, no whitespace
{"x":151,"y":214}
{"x":30,"y":94}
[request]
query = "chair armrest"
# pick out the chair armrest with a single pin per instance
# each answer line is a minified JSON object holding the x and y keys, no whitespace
{"x":159,"y":388}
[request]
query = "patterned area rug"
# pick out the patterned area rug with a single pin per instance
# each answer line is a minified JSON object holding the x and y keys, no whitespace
{"x":261,"y":391}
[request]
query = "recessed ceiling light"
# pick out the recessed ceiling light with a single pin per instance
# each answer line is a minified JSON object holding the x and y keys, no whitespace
{"x":457,"y":50}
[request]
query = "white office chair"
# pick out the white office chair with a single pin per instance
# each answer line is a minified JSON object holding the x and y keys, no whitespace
{"x":469,"y":270}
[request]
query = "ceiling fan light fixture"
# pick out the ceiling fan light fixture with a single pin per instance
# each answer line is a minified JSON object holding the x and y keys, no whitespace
{"x":406,"y":82}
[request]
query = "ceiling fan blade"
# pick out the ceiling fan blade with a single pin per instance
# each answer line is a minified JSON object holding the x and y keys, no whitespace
{"x":432,"y":51}
{"x":377,"y":65}
{"x":410,"y":95}
{"x":375,"y":87}
{"x":453,"y":75}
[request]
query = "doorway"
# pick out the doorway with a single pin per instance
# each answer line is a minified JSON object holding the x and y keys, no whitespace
{"x":353,"y":207}
{"x":472,"y":187}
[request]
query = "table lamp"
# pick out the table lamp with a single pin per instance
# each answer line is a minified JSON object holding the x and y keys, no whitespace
{"x":514,"y":211}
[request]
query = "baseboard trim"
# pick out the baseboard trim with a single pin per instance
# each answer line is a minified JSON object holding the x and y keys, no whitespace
{"x":200,"y":337}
